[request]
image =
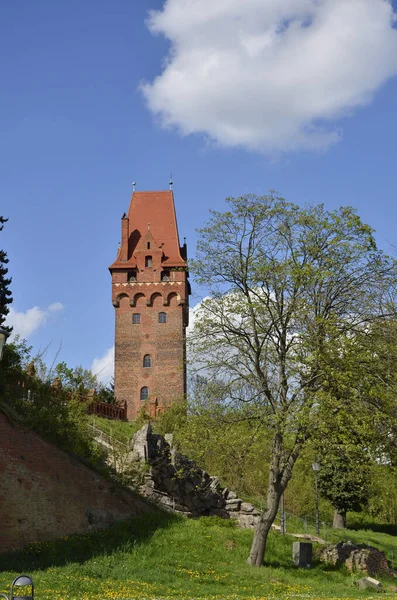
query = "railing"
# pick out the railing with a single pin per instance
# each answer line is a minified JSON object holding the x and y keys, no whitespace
{"x":109,"y":411}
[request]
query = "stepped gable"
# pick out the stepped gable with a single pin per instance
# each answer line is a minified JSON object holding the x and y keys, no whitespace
{"x":150,"y":294}
{"x":152,"y":212}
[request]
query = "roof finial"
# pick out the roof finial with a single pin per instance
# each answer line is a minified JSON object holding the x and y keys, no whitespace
{"x":171,"y":182}
{"x":133,"y":186}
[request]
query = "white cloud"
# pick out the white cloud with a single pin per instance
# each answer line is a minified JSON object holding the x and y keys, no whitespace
{"x":25,"y":323}
{"x":103,"y":367}
{"x":57,"y":306}
{"x":270,"y":75}
{"x":193,"y":313}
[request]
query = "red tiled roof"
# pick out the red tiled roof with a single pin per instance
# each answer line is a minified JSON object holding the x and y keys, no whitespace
{"x":156,"y":210}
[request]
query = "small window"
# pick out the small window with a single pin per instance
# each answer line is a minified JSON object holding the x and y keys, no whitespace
{"x":144,"y":393}
{"x":148,"y":261}
{"x":132,"y":276}
{"x":165,"y":275}
{"x":148,"y":245}
{"x":136,"y":318}
{"x":162,"y":317}
{"x":147,"y":361}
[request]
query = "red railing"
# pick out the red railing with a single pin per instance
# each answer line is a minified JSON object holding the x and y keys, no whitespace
{"x":109,"y":411}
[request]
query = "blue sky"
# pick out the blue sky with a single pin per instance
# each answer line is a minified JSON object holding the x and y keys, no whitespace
{"x":231,"y":97}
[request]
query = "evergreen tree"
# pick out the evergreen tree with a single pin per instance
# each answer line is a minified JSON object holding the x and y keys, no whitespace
{"x":5,"y":293}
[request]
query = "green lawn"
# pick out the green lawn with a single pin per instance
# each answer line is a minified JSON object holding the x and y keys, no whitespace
{"x":122,"y":431}
{"x":161,"y":557}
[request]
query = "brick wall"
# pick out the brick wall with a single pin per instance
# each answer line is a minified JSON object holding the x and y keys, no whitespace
{"x":47,"y":493}
{"x":164,"y":342}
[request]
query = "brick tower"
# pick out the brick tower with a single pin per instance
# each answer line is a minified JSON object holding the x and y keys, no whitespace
{"x":150,"y":293}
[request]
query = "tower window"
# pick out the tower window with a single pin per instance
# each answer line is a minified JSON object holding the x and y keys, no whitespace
{"x":148,"y":245}
{"x":148,"y":261}
{"x":136,"y":318}
{"x":147,"y":361}
{"x":144,"y":393}
{"x":165,"y":275}
{"x":131,"y":276}
{"x":162,"y":317}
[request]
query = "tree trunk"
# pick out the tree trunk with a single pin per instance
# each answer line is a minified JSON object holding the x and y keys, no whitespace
{"x":261,"y":532}
{"x":339,"y":519}
{"x":274,"y":492}
{"x":279,"y":476}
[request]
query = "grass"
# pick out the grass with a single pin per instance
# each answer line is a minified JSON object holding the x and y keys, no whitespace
{"x":164,"y":557}
{"x":385,"y":542}
{"x":121,"y":431}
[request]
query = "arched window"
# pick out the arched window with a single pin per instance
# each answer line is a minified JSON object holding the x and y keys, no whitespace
{"x":144,"y":393}
{"x":162,"y":317}
{"x":148,"y":261}
{"x":136,"y":318}
{"x":147,"y":360}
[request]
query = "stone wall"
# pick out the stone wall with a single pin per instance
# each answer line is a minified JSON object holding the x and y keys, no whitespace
{"x":47,"y":493}
{"x":365,"y":559}
{"x":178,"y":484}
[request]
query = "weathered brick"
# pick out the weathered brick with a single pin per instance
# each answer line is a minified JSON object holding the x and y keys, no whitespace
{"x":49,"y":493}
{"x":147,"y":288}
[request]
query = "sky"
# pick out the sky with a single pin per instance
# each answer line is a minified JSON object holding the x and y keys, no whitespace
{"x":230,"y":97}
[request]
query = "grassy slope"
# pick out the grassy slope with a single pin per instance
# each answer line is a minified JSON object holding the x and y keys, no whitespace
{"x":163,"y":557}
{"x":122,"y":431}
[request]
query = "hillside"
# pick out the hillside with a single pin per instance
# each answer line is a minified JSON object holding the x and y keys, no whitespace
{"x":161,"y":557}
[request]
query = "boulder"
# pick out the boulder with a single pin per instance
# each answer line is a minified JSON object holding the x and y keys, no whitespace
{"x":369,"y":582}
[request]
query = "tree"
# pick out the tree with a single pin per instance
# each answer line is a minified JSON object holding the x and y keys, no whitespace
{"x":343,"y":480}
{"x":287,"y":286}
{"x":5,"y":293}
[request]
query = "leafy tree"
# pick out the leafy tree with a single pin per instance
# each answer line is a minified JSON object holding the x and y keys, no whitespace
{"x":288,"y":286}
{"x":5,"y":293}
{"x":343,"y":480}
{"x":75,"y":379}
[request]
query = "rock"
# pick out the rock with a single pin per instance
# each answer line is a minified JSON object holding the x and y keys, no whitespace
{"x":233,"y":504}
{"x":245,"y":521}
{"x":392,"y":588}
{"x":246,"y":507}
{"x":178,"y":484}
{"x":369,"y":582}
{"x":169,"y":438}
{"x":356,"y":557}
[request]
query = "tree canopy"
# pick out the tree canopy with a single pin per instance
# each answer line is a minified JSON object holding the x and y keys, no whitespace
{"x":289,"y":286}
{"x":5,"y":292}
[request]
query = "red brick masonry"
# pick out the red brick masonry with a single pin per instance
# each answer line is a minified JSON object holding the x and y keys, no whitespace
{"x":47,"y":493}
{"x":150,"y":277}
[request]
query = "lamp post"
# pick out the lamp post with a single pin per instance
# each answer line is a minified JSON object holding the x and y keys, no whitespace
{"x":3,"y":338}
{"x":316,"y":467}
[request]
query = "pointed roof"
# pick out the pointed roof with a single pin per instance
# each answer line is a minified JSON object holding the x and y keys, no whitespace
{"x":154,"y":212}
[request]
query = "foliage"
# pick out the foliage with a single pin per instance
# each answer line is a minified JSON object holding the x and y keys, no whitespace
{"x":77,"y":379}
{"x":289,"y":288}
{"x":343,"y":480}
{"x":162,"y":557}
{"x":5,"y":292}
{"x":50,"y":411}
